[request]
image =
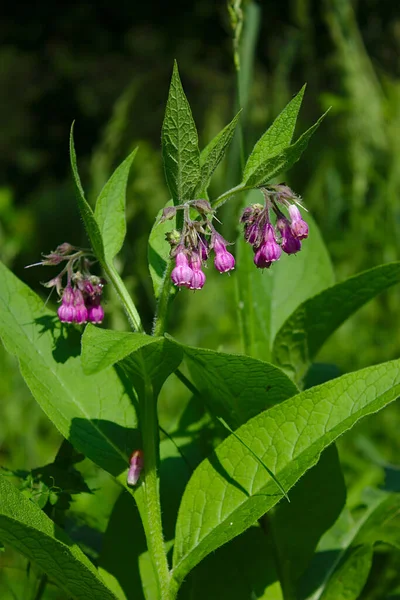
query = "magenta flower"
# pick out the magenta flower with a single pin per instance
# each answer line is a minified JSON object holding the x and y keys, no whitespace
{"x":298,"y":226}
{"x":260,"y":259}
{"x":66,"y":312}
{"x":224,"y":261}
{"x":182,"y":274}
{"x":272,"y":249}
{"x":81,"y":312}
{"x":290,"y":243}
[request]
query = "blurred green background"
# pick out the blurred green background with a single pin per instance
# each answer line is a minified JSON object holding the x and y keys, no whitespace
{"x":107,"y":66}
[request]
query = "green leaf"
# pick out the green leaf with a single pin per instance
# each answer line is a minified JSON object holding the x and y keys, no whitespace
{"x":267,"y":298}
{"x":158,"y":253}
{"x":25,"y":527}
{"x":276,"y":138}
{"x":236,"y":387}
{"x":94,"y":412}
{"x":180,"y":144}
{"x":148,"y":360}
{"x":229,"y":491}
{"x":110,"y":209}
{"x":102,"y":348}
{"x":351,"y":554}
{"x":212,"y":155}
{"x":272,"y":166}
{"x":316,"y":501}
{"x":89,"y":220}
{"x":305,"y":331}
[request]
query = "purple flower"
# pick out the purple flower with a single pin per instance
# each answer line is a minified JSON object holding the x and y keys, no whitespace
{"x":198,"y":280}
{"x":298,"y":226}
{"x":224,"y":261}
{"x":252,"y":234}
{"x":81,"y":312}
{"x":135,"y":467}
{"x":272,"y":250}
{"x":260,"y":259}
{"x":95,"y":312}
{"x":182,"y":274}
{"x":290,"y":243}
{"x":66,"y":312}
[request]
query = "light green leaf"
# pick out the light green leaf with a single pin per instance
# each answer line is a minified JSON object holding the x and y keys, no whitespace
{"x":305,"y":331}
{"x":180,"y":144}
{"x":102,"y":348}
{"x":25,"y":527}
{"x":212,"y":155}
{"x":158,"y":253}
{"x":236,"y":387}
{"x":271,"y":167}
{"x":148,"y":360}
{"x":91,"y":225}
{"x":110,"y":209}
{"x":266,"y":298}
{"x":276,"y":138}
{"x":94,"y":412}
{"x":229,"y":491}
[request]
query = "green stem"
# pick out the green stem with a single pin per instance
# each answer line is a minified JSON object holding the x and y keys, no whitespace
{"x":154,"y":532}
{"x":164,"y":299}
{"x":124,"y":297}
{"x":224,"y":197}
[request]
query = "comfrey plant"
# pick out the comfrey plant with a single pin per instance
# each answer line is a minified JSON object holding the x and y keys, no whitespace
{"x":241,"y":491}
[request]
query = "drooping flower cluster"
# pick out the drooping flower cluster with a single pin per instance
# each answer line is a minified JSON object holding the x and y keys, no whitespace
{"x":268,"y":240}
{"x":191,"y":246}
{"x":81,"y":297}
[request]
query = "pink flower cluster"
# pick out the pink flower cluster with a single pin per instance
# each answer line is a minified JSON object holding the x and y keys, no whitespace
{"x":81,"y":297}
{"x":191,"y":246}
{"x":268,"y":240}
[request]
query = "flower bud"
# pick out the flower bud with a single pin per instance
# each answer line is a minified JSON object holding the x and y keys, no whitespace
{"x":135,"y":467}
{"x":182,"y":274}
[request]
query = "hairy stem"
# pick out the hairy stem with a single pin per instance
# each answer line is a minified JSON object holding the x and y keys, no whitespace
{"x":164,"y":299}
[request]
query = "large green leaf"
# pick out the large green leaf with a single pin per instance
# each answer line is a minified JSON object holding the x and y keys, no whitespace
{"x":345,"y":574}
{"x":268,"y":298}
{"x":25,"y":527}
{"x":236,"y":387}
{"x":306,"y":330}
{"x":110,"y":209}
{"x":276,"y":138}
{"x":94,"y":412}
{"x":212,"y":155}
{"x":274,"y":165}
{"x":180,"y":144}
{"x":89,"y":220}
{"x":229,"y":491}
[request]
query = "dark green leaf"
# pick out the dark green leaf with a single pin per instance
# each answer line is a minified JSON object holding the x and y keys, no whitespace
{"x":306,"y":330}
{"x":91,"y":225}
{"x":180,"y":144}
{"x":25,"y":527}
{"x":276,"y":138}
{"x":212,"y":155}
{"x":110,"y":209}
{"x":272,"y":166}
{"x":236,"y":387}
{"x":230,"y":491}
{"x":268,"y":298}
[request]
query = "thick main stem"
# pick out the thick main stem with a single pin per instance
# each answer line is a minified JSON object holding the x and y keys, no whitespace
{"x":154,"y":533}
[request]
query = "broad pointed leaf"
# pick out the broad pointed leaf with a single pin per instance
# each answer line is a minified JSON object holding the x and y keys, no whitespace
{"x":271,"y":167}
{"x":94,"y":412}
{"x":25,"y":527}
{"x":180,"y":144}
{"x":276,"y":138}
{"x":89,"y":220}
{"x":268,"y":297}
{"x":306,"y":330}
{"x":229,"y":491}
{"x":110,"y":209}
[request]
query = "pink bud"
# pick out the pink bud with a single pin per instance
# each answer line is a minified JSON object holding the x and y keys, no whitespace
{"x":135,"y":467}
{"x":182,"y":274}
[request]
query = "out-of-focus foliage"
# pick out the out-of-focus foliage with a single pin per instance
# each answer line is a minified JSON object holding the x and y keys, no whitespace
{"x":108,"y":67}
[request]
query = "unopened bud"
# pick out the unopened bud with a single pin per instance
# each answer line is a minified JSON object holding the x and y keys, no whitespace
{"x":135,"y":467}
